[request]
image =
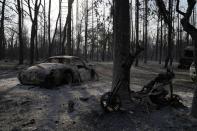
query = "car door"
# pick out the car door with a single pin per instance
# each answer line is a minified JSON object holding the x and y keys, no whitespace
{"x":84,"y":71}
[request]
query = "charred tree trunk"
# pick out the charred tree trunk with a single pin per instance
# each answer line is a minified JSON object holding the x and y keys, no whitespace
{"x":2,"y":50}
{"x":60,"y":27}
{"x":161,"y":42}
{"x":169,"y":55}
{"x":20,"y":30}
{"x":55,"y":32}
{"x":86,"y":30}
{"x":146,"y":32}
{"x":36,"y":51}
{"x":157,"y":40}
{"x":44,"y":32}
{"x":49,"y":29}
{"x":33,"y":27}
{"x":93,"y":41}
{"x":121,"y":48}
{"x":69,"y":33}
{"x":192,"y":31}
{"x":137,"y":27}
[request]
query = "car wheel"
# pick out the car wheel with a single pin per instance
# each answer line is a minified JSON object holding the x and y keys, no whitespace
{"x":68,"y":78}
{"x":48,"y":83}
{"x":94,"y":75}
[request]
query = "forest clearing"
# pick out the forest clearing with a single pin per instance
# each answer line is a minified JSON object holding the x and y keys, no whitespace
{"x":98,"y":65}
{"x":34,"y":108}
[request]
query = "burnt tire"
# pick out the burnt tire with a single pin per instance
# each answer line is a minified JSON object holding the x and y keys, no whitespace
{"x":110,"y":104}
{"x":49,"y":81}
{"x":68,"y":78}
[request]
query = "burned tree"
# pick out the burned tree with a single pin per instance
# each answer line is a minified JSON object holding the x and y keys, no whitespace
{"x":34,"y":20}
{"x":49,"y":29}
{"x":190,"y":29}
{"x":167,"y":16}
{"x":69,"y":47}
{"x":67,"y":28}
{"x":86,"y":30}
{"x":20,"y":29}
{"x":121,"y":46}
{"x":2,"y":38}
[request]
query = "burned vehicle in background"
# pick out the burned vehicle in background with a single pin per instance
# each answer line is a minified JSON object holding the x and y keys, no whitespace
{"x":187,"y":59}
{"x":58,"y":70}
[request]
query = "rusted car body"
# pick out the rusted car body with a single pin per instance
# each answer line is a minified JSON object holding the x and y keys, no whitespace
{"x":58,"y":70}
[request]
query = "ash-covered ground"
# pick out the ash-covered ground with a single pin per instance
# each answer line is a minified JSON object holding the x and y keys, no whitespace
{"x":34,"y":108}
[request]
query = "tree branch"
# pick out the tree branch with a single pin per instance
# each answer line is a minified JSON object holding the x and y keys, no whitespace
{"x":178,"y":10}
{"x":163,"y":11}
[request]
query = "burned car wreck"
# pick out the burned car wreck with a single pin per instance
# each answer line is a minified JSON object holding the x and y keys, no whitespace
{"x":58,"y":70}
{"x":187,"y":59}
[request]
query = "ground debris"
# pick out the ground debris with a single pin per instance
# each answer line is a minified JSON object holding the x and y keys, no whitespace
{"x":31,"y":122}
{"x":70,"y":106}
{"x":84,"y":98}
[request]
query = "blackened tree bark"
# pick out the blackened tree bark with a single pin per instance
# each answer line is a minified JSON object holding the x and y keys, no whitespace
{"x":146,"y":32}
{"x":137,"y":26}
{"x":55,"y":32}
{"x":65,"y":29}
{"x":161,"y":41}
{"x":104,"y":44}
{"x":191,"y":30}
{"x":2,"y":30}
{"x":157,"y":40}
{"x":44,"y":32}
{"x":167,"y":16}
{"x":36,"y":47}
{"x":49,"y":29}
{"x":60,"y":27}
{"x":86,"y":30}
{"x":69,"y":47}
{"x":93,"y":38}
{"x":34,"y":21}
{"x":20,"y":31}
{"x":170,"y":43}
{"x":121,"y":47}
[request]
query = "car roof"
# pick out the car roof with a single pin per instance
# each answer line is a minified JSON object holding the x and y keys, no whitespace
{"x":64,"y":57}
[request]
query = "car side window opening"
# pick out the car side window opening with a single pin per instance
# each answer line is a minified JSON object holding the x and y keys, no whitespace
{"x":65,"y":61}
{"x":78,"y":62}
{"x":54,"y":61}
